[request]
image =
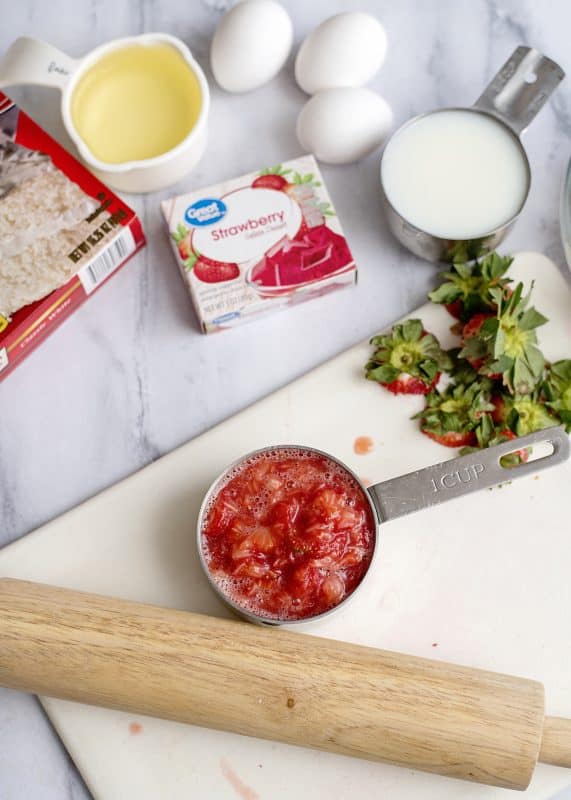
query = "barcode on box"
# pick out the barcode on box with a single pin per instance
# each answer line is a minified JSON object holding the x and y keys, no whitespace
{"x":94,"y":273}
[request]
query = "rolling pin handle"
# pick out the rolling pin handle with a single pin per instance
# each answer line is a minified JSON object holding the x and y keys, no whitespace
{"x":556,"y":742}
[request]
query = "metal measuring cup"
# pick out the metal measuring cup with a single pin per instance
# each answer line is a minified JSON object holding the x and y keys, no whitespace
{"x":396,"y":497}
{"x":513,"y":100}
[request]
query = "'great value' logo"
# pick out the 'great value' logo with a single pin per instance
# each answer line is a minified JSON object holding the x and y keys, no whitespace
{"x":205,"y":212}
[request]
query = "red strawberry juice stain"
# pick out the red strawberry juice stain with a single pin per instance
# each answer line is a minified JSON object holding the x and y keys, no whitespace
{"x":363,"y":445}
{"x":289,"y":535}
{"x":241,"y":789}
{"x":135,"y":728}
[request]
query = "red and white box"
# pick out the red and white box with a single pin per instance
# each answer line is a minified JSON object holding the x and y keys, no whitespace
{"x":258,"y":243}
{"x":63,"y":233}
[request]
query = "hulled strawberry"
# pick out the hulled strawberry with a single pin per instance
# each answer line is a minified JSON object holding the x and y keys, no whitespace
{"x":506,"y":344}
{"x":466,"y":287}
{"x":272,"y":178}
{"x":557,"y":389}
{"x":408,"y":360}
{"x":452,"y":416}
{"x":522,"y":414}
{"x":208,"y":270}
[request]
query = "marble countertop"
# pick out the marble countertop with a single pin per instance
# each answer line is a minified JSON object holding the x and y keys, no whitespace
{"x":129,"y":376}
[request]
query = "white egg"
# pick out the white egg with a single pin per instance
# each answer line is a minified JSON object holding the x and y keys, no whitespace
{"x":343,"y":125}
{"x":250,"y":45}
{"x":345,"y":50}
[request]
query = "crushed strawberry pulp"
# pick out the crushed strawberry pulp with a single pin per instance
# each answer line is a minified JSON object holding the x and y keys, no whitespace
{"x":289,"y":535}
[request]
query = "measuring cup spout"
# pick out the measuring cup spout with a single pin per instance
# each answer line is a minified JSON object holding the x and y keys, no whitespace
{"x":459,"y":476}
{"x":31,"y":61}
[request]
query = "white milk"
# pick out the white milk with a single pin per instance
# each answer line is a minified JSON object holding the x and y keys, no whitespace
{"x":455,"y":174}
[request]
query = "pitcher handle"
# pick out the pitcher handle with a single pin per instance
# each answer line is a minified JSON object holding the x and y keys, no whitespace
{"x":31,"y":61}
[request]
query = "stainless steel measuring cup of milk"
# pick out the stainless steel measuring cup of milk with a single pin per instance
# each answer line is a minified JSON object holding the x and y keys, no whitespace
{"x":395,"y":497}
{"x":456,"y":179}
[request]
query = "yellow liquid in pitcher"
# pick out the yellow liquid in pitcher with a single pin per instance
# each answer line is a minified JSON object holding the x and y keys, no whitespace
{"x":136,"y":102}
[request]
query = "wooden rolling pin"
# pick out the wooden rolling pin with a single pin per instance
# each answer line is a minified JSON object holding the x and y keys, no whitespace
{"x":304,"y":690}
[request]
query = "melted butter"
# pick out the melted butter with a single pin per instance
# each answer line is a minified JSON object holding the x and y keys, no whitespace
{"x":136,"y":102}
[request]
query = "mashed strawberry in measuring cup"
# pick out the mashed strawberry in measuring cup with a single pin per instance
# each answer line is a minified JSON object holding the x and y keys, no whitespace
{"x":289,"y":535}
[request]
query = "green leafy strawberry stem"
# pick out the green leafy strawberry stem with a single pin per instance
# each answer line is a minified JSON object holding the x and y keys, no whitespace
{"x":471,"y":284}
{"x":276,"y":170}
{"x":305,"y":180}
{"x":326,"y":209}
{"x":191,"y":260}
{"x":409,"y":349}
{"x":180,"y":232}
{"x":459,"y":408}
{"x":557,"y":390}
{"x":499,"y":384}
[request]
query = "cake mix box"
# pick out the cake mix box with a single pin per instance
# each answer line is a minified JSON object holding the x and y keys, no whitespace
{"x":257,"y":243}
{"x":62,"y":234}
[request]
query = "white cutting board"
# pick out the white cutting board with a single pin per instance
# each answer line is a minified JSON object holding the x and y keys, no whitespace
{"x":483,"y":581}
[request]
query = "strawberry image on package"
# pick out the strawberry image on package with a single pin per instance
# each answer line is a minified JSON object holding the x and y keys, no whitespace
{"x":62,"y":234}
{"x":258,"y":243}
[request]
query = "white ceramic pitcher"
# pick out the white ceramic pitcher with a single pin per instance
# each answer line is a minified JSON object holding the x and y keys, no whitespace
{"x":31,"y":61}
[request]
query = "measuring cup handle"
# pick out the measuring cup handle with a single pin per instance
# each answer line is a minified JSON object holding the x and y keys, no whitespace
{"x":521,"y":88}
{"x":459,"y":476}
{"x":30,"y":60}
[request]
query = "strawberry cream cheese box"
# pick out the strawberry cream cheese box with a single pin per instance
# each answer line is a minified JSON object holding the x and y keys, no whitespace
{"x":258,"y":243}
{"x":63,"y":233}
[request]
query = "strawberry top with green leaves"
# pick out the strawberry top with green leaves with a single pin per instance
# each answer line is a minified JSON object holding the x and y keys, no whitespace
{"x":507,"y":342}
{"x":282,"y":179}
{"x":462,"y":371}
{"x":488,"y":435}
{"x":183,"y":239}
{"x":557,"y":389}
{"x":408,"y":360}
{"x":466,"y":287}
{"x":522,"y":414}
{"x":180,"y":233}
{"x":474,"y":344}
{"x":451,"y":417}
{"x":499,"y":386}
{"x":305,"y":180}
